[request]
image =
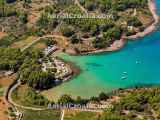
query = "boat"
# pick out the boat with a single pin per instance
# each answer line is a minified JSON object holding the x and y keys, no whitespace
{"x":138,"y":62}
{"x":124,"y":72}
{"x":123,"y":77}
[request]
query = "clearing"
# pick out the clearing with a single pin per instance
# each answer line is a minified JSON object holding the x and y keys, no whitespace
{"x":24,"y":43}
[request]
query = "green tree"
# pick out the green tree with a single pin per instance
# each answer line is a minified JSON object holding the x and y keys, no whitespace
{"x":64,"y":99}
{"x":103,"y":96}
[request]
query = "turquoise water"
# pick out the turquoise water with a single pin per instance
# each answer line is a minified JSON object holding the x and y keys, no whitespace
{"x":138,"y":62}
{"x":158,"y":6}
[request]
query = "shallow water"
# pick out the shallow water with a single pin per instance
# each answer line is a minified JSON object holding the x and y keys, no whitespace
{"x":138,"y":63}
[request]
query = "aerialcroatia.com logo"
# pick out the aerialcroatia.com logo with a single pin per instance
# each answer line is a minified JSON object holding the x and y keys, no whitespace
{"x":80,"y":16}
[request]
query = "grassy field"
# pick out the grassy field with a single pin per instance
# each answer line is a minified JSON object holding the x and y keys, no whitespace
{"x":27,"y":97}
{"x":76,"y":115}
{"x":1,"y":91}
{"x":23,"y":43}
{"x":5,"y":81}
{"x":41,"y":115}
{"x":39,"y":45}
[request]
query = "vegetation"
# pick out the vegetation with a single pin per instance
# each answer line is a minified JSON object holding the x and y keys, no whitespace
{"x":92,"y":33}
{"x":65,"y":99}
{"x":138,"y":102}
{"x":1,"y":91}
{"x":28,"y":65}
{"x":109,"y":29}
{"x":28,"y":97}
{"x":41,"y":115}
{"x":99,"y":33}
{"x":23,"y":17}
{"x":7,"y":40}
{"x":133,"y":21}
{"x":7,"y":10}
{"x":77,"y":115}
{"x":107,"y":5}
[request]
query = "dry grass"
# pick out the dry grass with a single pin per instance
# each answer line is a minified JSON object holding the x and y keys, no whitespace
{"x":145,"y":19}
{"x":5,"y":81}
{"x":61,"y":40}
{"x":3,"y":109}
{"x":33,"y":18}
{"x":40,"y":46}
{"x":2,"y":34}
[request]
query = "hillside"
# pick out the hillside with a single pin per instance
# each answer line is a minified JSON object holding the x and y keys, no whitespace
{"x":86,"y":25}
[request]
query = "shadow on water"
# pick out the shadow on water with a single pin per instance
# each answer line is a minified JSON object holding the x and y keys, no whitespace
{"x":94,"y":64}
{"x":142,"y":85}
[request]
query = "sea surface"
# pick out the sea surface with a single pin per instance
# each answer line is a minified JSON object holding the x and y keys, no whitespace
{"x":137,"y":64}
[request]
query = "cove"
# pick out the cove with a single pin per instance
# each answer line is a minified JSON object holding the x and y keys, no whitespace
{"x":138,"y":62}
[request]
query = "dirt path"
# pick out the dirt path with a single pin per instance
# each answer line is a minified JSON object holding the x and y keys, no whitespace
{"x":62,"y":115}
{"x":9,"y":98}
{"x":38,"y":39}
{"x":2,"y":34}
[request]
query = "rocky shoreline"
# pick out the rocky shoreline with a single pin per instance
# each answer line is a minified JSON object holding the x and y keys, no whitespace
{"x":118,"y":44}
{"x":152,"y":27}
{"x":73,"y":69}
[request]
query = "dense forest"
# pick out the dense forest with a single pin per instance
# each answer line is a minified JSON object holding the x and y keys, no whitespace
{"x":103,"y":31}
{"x":28,"y":65}
{"x":84,"y":34}
{"x":139,"y":104}
{"x":134,"y":104}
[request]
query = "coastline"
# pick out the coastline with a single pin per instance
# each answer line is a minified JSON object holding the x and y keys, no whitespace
{"x":116,"y":45}
{"x":119,"y":44}
{"x":74,"y":70}
{"x":152,"y":27}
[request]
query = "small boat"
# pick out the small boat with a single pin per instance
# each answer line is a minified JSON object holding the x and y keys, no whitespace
{"x":138,"y":62}
{"x":124,"y":72}
{"x":123,"y":77}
